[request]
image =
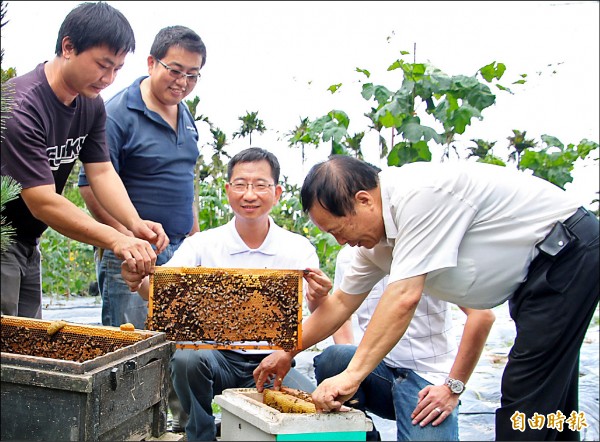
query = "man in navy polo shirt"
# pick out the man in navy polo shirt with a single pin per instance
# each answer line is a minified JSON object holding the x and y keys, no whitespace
{"x":153,"y":144}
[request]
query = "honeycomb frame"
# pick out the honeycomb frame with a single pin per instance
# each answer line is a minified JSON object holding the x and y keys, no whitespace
{"x":227,"y":308}
{"x":72,"y":342}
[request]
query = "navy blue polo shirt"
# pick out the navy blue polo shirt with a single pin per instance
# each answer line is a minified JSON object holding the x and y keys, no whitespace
{"x":155,"y":163}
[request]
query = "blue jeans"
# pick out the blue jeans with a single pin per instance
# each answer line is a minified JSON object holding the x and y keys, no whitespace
{"x":119,"y":304}
{"x":199,"y":375}
{"x":391,"y":393}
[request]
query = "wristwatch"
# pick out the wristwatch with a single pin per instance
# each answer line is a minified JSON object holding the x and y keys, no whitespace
{"x":456,"y":386}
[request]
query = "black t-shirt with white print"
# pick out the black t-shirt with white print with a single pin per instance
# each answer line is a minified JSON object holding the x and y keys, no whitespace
{"x":42,"y":140}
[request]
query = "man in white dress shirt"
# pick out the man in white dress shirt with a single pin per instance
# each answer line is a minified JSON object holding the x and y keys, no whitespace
{"x":473,"y":234}
{"x":250,"y":240}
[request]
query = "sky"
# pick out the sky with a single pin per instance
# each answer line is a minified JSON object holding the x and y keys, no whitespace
{"x":279,"y":58}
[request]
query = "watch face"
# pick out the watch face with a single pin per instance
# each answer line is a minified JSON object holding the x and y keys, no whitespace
{"x":456,"y":386}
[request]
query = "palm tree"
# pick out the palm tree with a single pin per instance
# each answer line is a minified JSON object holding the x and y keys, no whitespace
{"x":519,"y":143}
{"x":302,"y":135}
{"x":250,"y":123}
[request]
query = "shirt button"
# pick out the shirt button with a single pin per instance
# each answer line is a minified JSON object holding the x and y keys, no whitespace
{"x":561,"y":243}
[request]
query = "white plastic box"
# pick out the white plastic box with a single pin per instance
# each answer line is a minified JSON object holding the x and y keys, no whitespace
{"x":245,"y":417}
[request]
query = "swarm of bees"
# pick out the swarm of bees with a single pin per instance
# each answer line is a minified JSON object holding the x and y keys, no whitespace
{"x":227,"y":308}
{"x":59,"y":340}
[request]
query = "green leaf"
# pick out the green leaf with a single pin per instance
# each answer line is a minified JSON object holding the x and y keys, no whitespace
{"x":423,"y":151}
{"x":491,"y":159}
{"x":502,"y":88}
{"x":415,"y":132}
{"x":395,"y":65}
{"x":439,"y":83}
{"x":382,"y":94}
{"x":585,"y":147}
{"x":465,"y":82}
{"x":332,"y":130}
{"x":338,"y":149}
{"x":462,"y":116}
{"x":317,"y":125}
{"x":385,"y":118}
{"x":480,"y":96}
{"x":390,"y":115}
{"x":334,"y":88}
{"x":341,"y":117}
{"x":367,"y":91}
{"x":552,"y":141}
{"x":554,"y":167}
{"x":405,"y":152}
{"x":363,"y":71}
{"x":493,"y":70}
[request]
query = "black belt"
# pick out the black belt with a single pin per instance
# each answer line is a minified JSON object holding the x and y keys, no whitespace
{"x":571,"y":221}
{"x":563,"y":234}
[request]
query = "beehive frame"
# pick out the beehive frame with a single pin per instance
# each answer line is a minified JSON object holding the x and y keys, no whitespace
{"x":226,"y":308}
{"x":73,"y":342}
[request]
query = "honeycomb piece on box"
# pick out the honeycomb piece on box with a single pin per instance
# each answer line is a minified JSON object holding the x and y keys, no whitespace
{"x":289,"y":400}
{"x":55,"y":326}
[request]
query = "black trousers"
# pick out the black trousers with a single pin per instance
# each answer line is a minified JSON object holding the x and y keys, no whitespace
{"x":552,"y":311}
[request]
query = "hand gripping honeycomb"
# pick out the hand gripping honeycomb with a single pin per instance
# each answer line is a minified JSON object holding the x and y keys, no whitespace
{"x":223,"y":308}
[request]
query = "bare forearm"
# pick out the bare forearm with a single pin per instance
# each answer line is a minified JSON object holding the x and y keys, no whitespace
{"x":65,"y":217}
{"x":313,"y":303}
{"x":110,"y":193}
{"x":144,"y":290}
{"x":475,"y":334}
{"x":98,"y":212}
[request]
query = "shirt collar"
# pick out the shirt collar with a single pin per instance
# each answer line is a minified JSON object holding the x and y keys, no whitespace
{"x":237,"y":245}
{"x":134,"y":95}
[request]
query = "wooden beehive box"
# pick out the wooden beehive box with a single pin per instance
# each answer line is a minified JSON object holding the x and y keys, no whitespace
{"x":223,"y":308}
{"x":84,"y":383}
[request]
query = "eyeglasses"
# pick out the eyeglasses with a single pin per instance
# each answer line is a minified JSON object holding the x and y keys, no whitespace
{"x":177,"y":74}
{"x":240,"y":187}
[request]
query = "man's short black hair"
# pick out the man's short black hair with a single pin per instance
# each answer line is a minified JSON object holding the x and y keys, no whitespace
{"x":252,"y":155}
{"x":177,"y":36}
{"x":96,"y":24}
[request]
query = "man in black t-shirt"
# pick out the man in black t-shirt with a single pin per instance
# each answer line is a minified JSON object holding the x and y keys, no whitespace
{"x":58,"y":116}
